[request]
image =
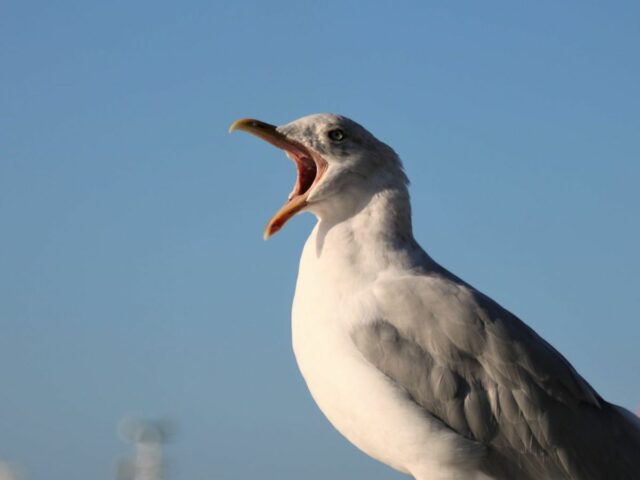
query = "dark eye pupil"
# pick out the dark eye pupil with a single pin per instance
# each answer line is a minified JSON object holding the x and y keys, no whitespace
{"x":336,"y":135}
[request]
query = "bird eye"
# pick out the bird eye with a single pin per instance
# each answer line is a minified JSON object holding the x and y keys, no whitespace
{"x":336,"y":135}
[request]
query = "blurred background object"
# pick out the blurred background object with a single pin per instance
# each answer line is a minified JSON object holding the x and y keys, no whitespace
{"x":148,"y":438}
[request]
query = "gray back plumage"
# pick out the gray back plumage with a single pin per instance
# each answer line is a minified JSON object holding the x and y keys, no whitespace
{"x":489,"y":377}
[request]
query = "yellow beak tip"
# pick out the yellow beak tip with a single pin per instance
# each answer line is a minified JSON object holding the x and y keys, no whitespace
{"x":234,"y":126}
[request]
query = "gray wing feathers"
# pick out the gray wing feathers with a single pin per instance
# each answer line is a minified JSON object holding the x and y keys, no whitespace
{"x":510,"y":339}
{"x":489,"y":377}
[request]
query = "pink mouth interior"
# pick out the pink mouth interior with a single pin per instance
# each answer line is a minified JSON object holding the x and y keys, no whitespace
{"x":307,"y":172}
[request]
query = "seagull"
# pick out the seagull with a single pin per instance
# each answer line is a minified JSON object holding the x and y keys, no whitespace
{"x":410,"y":363}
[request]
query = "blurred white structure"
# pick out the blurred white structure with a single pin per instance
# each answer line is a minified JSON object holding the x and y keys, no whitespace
{"x":148,"y":438}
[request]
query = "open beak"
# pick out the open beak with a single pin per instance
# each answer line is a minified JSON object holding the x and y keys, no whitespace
{"x":309,"y":164}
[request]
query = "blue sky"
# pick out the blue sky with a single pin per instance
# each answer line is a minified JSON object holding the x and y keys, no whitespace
{"x":133,"y":276}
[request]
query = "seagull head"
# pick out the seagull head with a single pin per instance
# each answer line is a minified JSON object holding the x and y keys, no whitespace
{"x":339,"y":164}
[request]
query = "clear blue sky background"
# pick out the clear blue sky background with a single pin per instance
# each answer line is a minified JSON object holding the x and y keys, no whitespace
{"x":133,"y":276}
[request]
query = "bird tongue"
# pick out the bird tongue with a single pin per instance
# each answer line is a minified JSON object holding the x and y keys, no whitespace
{"x":306,"y":170}
{"x":310,"y":168}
